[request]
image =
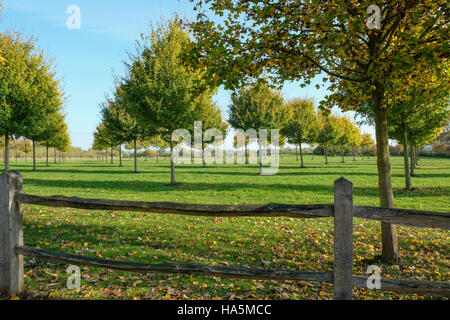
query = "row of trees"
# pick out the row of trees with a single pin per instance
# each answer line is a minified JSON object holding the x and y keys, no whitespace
{"x":158,"y":94}
{"x":259,"y":106}
{"x":31,"y":98}
{"x":161,"y":93}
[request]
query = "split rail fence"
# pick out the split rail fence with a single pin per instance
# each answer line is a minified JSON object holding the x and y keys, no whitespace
{"x":12,"y":249}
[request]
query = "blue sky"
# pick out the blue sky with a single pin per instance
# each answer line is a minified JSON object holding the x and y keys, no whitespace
{"x":86,"y":58}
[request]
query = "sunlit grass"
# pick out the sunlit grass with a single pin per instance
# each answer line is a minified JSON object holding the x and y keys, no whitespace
{"x":281,"y":243}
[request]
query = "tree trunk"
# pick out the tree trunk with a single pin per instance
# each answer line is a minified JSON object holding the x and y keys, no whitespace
{"x":172,"y":165}
{"x":135,"y":156}
{"x":354,"y":153}
{"x":120,"y":156}
{"x":406,"y":159}
{"x":6,"y":152}
{"x":157,"y":156}
{"x":203,"y":157}
{"x":390,"y":251}
{"x":343,"y":156}
{"x":34,"y":156}
{"x":260,"y":159}
{"x":326,"y":154}
{"x":301,"y":154}
{"x":413,"y":160}
{"x":112,"y":155}
{"x":54,"y":155}
{"x":46,"y":156}
{"x":416,"y":155}
{"x":246,"y":152}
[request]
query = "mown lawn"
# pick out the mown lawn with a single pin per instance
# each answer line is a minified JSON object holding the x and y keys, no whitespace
{"x":279,"y":243}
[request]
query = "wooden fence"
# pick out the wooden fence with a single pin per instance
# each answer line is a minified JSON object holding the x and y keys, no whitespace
{"x":12,"y":248}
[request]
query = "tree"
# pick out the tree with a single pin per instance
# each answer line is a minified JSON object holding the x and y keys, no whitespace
{"x":211,"y":119}
{"x":258,"y":106}
{"x":299,"y":40}
{"x":102,"y":139}
{"x":159,"y":144}
{"x":52,"y":132}
{"x":367,"y":143}
{"x":30,"y":93}
{"x":348,"y":135}
{"x":25,"y":147}
{"x":328,"y":132}
{"x":418,"y":115}
{"x":303,"y":124}
{"x":121,"y":124}
{"x":162,"y":91}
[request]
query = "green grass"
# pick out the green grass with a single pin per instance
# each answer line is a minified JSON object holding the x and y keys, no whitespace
{"x":281,"y":243}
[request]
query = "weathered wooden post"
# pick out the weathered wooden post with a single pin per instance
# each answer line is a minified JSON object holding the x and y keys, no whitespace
{"x":343,"y":239}
{"x":11,"y":233}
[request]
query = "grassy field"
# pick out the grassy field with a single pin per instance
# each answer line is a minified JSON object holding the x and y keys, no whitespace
{"x":282,"y":243}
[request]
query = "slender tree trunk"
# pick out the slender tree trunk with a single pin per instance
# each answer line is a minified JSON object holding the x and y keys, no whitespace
{"x":246,"y":152}
{"x":135,"y":156}
{"x":260,"y":159}
{"x":54,"y":155}
{"x":34,"y":156}
{"x":203,"y":156}
{"x":416,"y":156}
{"x":7,"y":152}
{"x":326,"y":154}
{"x":302,"y":165}
{"x":390,"y":250}
{"x":46,"y":160}
{"x":343,"y":156}
{"x":412,"y":155}
{"x":354,"y":153}
{"x":120,"y":156}
{"x":157,"y":156}
{"x":406,"y":159}
{"x":172,"y":165}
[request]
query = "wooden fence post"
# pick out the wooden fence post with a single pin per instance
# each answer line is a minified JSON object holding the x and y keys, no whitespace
{"x":11,"y":234}
{"x":343,"y":239}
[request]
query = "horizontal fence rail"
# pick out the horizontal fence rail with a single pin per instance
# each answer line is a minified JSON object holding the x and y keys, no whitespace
{"x":12,"y":249}
{"x":387,"y":284}
{"x":406,"y":217}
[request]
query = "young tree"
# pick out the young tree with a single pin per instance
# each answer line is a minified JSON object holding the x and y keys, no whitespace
{"x":159,"y":144}
{"x":211,"y":119}
{"x":348,"y":135}
{"x":257,"y":106}
{"x":53,"y":129}
{"x":328,"y":132}
{"x":367,"y":143}
{"x":120,"y":124}
{"x":160,"y":89}
{"x":30,"y":91}
{"x":102,"y":139}
{"x":25,"y":146}
{"x":303,"y":125}
{"x":299,"y":40}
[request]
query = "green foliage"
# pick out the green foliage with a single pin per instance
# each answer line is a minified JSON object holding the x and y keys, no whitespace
{"x":257,"y":106}
{"x":329,"y":130}
{"x":160,"y":89}
{"x":303,"y":124}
